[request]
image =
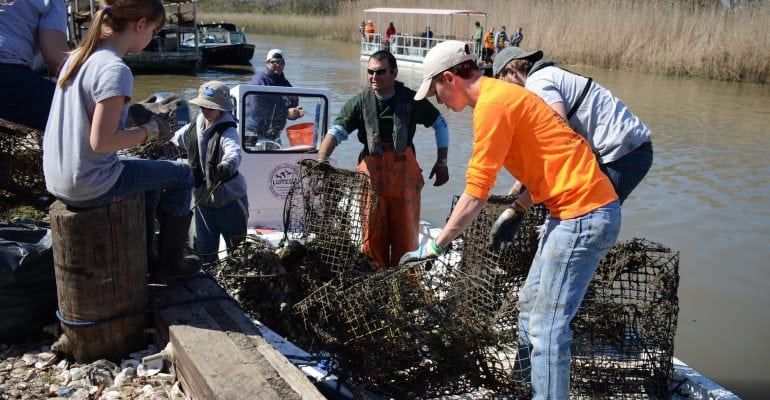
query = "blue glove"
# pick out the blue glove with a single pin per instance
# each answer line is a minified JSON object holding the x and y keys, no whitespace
{"x":505,"y":227}
{"x":428,"y":251}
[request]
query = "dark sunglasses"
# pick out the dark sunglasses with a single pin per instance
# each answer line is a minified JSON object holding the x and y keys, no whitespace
{"x":377,"y":71}
{"x":277,"y":62}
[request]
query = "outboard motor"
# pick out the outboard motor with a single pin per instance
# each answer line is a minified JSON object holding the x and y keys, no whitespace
{"x":182,"y":112}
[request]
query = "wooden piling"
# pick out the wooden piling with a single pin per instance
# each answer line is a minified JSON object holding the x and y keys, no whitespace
{"x":101,"y":273}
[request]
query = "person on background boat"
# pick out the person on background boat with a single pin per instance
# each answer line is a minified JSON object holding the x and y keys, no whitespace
{"x":514,"y":129}
{"x":390,"y":32}
{"x":518,"y":36}
{"x":489,"y":46}
{"x":620,"y":141}
{"x":87,"y":126}
{"x":370,"y":30}
{"x":478,"y":37}
{"x":385,"y":115}
{"x":213,"y":148}
{"x":25,"y":28}
{"x":501,"y":40}
{"x":266,"y":115}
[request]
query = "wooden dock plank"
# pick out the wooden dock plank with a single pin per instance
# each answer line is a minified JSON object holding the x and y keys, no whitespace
{"x":218,"y":353}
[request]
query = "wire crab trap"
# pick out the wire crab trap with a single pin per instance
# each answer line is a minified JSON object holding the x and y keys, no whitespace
{"x":623,"y":333}
{"x":448,"y":326}
{"x":326,"y":210}
{"x":21,"y":163}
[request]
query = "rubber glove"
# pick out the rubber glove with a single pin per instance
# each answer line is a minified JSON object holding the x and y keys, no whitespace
{"x":441,"y":171}
{"x":223,"y":172}
{"x":157,"y":128}
{"x":507,"y":224}
{"x":428,"y":251}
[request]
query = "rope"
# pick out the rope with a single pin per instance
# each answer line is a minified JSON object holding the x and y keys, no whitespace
{"x":81,"y":324}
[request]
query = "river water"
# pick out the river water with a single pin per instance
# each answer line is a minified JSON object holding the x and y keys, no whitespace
{"x":707,"y":195}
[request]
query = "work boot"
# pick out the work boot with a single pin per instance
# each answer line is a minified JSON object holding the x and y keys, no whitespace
{"x":173,"y":264}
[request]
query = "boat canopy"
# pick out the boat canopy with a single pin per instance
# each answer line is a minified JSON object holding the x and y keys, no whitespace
{"x":431,"y":11}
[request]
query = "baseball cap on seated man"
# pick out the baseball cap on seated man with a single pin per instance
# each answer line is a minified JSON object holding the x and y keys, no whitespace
{"x":509,"y":54}
{"x":440,"y":58}
{"x":274,"y":53}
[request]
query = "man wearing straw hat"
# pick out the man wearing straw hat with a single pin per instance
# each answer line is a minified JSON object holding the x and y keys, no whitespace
{"x":213,"y":148}
{"x":515,"y":129}
{"x":386,"y":115}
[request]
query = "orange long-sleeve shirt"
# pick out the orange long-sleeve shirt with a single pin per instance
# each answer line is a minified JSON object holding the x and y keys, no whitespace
{"x":515,"y":129}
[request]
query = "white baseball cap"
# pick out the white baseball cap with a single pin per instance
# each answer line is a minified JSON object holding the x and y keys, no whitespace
{"x":274,"y":52}
{"x":443,"y":56}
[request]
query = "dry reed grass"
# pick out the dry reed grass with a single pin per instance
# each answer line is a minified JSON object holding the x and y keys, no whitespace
{"x":651,"y":36}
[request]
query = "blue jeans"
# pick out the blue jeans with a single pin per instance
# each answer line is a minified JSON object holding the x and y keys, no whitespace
{"x":563,"y":267}
{"x":228,"y":221}
{"x":28,"y":96}
{"x":167,"y":185}
{"x":627,"y":171}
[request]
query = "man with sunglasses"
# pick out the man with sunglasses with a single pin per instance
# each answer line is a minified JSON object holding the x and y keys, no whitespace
{"x":266,"y":115}
{"x":620,"y":141}
{"x":516,"y":130}
{"x":385,"y":115}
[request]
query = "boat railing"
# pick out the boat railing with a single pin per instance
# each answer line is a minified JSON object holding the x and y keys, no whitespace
{"x":404,"y":47}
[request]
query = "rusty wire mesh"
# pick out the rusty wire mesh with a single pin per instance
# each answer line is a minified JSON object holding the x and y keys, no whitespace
{"x":21,"y":163}
{"x":327,"y":207}
{"x":449,"y":326}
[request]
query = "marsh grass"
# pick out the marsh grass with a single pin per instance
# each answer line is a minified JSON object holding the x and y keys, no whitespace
{"x":651,"y":36}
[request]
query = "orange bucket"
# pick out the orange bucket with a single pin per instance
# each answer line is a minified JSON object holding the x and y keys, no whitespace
{"x":301,"y":134}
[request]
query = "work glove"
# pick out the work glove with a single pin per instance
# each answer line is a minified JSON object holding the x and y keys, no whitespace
{"x":223,"y":172}
{"x":157,"y":128}
{"x":441,"y":171}
{"x":428,"y":251}
{"x":505,"y":227}
{"x":141,"y":112}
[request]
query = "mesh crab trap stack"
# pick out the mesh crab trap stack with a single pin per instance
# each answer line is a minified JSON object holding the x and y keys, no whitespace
{"x":449,"y":325}
{"x":21,"y":163}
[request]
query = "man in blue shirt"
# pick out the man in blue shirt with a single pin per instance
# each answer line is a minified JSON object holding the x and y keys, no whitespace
{"x":25,"y":27}
{"x":266,"y":115}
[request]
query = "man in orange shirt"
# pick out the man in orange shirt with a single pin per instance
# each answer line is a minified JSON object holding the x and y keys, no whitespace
{"x":370,"y":30}
{"x":489,"y":46}
{"x":513,"y":128}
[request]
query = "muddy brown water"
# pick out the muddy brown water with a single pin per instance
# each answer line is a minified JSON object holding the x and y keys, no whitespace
{"x":707,"y":195}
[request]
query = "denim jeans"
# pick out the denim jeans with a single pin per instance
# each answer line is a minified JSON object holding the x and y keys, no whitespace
{"x":627,"y":171}
{"x":563,"y":267}
{"x":228,"y":221}
{"x":28,"y":96}
{"x":167,"y":185}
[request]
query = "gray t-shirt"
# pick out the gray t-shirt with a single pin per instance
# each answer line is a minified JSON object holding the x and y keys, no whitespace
{"x":20,"y":22}
{"x":73,"y":171}
{"x":610,"y":127}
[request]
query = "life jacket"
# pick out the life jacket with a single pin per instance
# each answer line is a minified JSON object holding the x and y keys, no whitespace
{"x":213,"y":153}
{"x":501,"y":39}
{"x":369,"y":30}
{"x":489,"y":41}
{"x":402,"y":110}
